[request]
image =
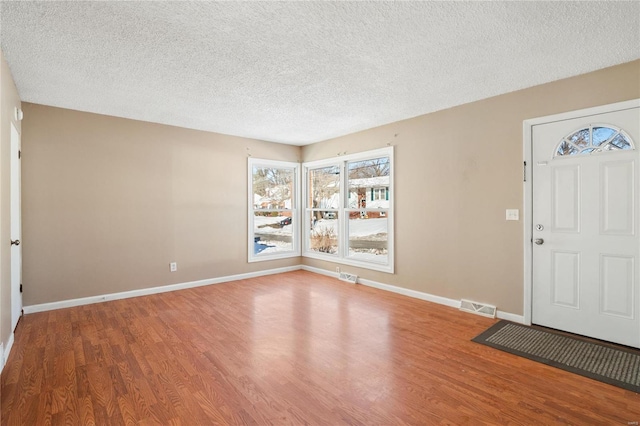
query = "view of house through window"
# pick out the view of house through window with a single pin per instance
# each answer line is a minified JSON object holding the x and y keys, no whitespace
{"x":272,"y":216}
{"x":348,"y":204}
{"x":368,"y":204}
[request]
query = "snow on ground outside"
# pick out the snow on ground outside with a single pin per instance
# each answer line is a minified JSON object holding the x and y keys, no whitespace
{"x":357,"y":227}
{"x":369,"y":257}
{"x":271,"y":225}
{"x":277,"y":247}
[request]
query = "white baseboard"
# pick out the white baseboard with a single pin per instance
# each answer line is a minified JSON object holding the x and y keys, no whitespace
{"x":4,"y":353}
{"x":510,"y":317}
{"x":414,"y":293}
{"x":173,"y":287}
{"x":319,"y":271}
{"x":152,"y":290}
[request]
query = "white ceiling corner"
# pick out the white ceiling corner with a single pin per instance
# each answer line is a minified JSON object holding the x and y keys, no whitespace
{"x":301,"y":72}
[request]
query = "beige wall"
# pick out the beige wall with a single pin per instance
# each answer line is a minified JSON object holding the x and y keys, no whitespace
{"x":108,"y":203}
{"x":9,"y":100}
{"x":456,"y":172}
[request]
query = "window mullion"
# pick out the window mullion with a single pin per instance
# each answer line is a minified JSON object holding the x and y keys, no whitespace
{"x":342,"y":220}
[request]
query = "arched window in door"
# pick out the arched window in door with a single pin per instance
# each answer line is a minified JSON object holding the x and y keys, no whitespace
{"x":595,"y":138}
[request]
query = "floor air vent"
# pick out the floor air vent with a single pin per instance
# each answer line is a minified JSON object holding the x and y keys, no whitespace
{"x":478,"y":308}
{"x":350,"y":278}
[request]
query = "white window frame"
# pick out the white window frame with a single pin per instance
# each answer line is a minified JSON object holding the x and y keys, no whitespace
{"x":295,"y":210}
{"x":343,"y":211}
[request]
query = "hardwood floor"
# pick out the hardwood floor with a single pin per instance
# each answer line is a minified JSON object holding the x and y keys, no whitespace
{"x":295,"y":348}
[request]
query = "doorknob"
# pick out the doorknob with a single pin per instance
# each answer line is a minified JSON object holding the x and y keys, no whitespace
{"x":539,"y":241}
{"x":15,"y":242}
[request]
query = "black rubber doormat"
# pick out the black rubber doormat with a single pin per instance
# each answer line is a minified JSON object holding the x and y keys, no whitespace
{"x":618,"y":366}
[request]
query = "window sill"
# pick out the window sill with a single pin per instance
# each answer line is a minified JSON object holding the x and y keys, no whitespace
{"x":389,"y":269}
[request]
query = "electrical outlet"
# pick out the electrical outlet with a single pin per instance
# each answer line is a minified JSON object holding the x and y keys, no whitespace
{"x":173,"y":266}
{"x":337,"y":269}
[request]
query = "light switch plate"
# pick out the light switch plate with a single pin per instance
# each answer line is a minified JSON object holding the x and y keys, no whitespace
{"x":513,"y":214}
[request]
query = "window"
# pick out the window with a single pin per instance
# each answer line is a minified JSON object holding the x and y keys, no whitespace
{"x":348,"y":204}
{"x":594,"y":139}
{"x":323,"y":204}
{"x":273,"y":210}
{"x":379,"y":194}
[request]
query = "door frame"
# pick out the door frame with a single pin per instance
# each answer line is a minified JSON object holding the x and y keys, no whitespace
{"x":15,"y":163}
{"x":527,"y":208}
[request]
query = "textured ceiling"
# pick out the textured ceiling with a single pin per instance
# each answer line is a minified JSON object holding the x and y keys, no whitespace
{"x":301,"y":72}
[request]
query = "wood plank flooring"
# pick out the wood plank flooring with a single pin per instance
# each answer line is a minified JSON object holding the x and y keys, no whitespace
{"x":295,"y":348}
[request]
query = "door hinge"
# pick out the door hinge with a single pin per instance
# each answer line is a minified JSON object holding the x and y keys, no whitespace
{"x":524,"y":172}
{"x":19,"y":154}
{"x":20,"y":288}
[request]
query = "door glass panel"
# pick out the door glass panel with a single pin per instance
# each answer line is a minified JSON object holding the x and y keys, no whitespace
{"x":593,"y":140}
{"x":580,"y":138}
{"x":602,"y":134}
{"x":620,"y":142}
{"x":566,"y":148}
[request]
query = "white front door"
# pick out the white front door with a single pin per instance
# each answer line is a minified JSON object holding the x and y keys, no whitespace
{"x":586,"y":264}
{"x":16,"y":229}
